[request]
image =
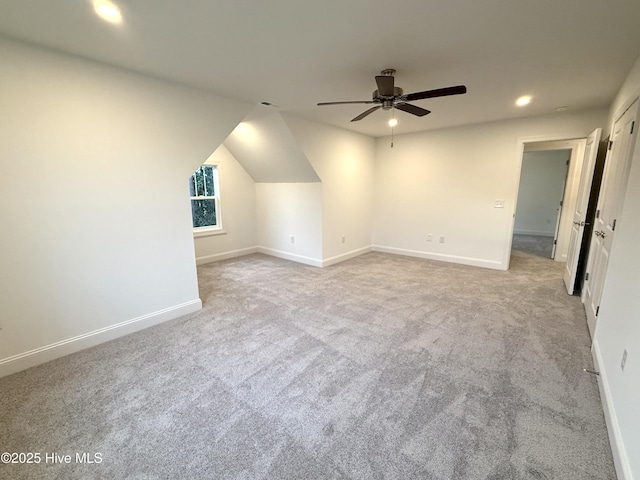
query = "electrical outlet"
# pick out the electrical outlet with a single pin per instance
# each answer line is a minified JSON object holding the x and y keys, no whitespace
{"x":624,"y":359}
{"x":429,"y":238}
{"x":441,"y":238}
{"x":343,"y":239}
{"x":293,"y":239}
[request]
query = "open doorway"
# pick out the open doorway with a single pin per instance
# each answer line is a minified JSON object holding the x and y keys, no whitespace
{"x":542,"y":180}
{"x":546,"y":193}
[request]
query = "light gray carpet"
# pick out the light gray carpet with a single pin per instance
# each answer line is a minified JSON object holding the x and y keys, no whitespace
{"x":382,"y":367}
{"x":534,"y":244}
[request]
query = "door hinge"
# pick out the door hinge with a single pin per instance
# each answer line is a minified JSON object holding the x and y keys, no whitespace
{"x":597,"y":213}
{"x":586,"y":278}
{"x":555,"y":241}
{"x":567,"y":162}
{"x":561,"y":202}
{"x":610,"y":144}
{"x":613,"y":227}
{"x":597,"y":310}
{"x":633,"y":124}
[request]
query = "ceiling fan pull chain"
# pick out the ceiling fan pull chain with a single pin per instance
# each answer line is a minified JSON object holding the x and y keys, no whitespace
{"x":393,"y":125}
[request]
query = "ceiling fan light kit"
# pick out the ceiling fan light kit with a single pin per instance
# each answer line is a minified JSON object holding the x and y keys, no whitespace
{"x":388,"y":96}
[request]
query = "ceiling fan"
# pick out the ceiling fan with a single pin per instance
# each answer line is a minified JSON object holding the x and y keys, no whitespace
{"x":388,"y":96}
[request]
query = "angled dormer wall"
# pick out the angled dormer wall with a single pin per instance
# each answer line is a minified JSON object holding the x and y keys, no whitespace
{"x":265,"y":147}
{"x":288,"y":191}
{"x":344,"y":162}
{"x":313,"y":190}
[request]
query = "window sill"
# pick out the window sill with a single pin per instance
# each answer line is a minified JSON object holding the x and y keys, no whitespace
{"x":208,"y":233}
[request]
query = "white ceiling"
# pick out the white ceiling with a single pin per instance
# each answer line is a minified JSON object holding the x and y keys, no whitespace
{"x":295,"y":53}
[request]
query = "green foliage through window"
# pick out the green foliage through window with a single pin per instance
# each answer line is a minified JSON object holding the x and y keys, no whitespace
{"x":203,"y":213}
{"x":204,"y":202}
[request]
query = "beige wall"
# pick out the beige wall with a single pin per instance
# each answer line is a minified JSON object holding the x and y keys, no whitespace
{"x":96,"y":235}
{"x":284,"y":210}
{"x":446,"y":182}
{"x":344,"y":162}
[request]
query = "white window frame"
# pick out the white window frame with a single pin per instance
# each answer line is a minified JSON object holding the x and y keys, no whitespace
{"x":210,"y":229}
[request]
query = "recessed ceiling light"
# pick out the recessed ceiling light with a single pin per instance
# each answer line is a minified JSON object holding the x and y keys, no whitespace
{"x":393,"y":122}
{"x":524,"y":100}
{"x":107,"y":11}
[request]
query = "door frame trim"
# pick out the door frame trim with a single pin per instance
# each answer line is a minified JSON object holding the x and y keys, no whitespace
{"x":520,"y":148}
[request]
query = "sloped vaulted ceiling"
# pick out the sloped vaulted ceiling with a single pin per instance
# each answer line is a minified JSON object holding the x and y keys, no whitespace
{"x":263,"y":144}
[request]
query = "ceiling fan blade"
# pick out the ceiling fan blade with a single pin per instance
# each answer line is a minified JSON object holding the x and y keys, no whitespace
{"x":412,"y":109}
{"x":345,"y":103}
{"x":439,"y":92}
{"x":385,"y":85}
{"x":364,"y":114}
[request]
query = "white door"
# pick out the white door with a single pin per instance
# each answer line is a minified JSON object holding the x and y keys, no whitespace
{"x":614,"y":184}
{"x":580,"y":213}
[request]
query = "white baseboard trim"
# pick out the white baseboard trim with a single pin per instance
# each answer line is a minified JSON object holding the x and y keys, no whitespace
{"x":216,"y":257}
{"x":538,"y":233}
{"x":314,"y":262}
{"x":475,"y":262}
{"x":346,"y":256}
{"x":37,"y":356}
{"x":620,"y":459}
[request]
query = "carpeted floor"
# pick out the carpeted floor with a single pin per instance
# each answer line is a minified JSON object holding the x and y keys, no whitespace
{"x":535,"y":244}
{"x":381,"y":367}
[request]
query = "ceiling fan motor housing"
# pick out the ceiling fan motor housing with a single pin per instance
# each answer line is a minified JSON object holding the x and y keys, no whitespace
{"x":387,"y":101}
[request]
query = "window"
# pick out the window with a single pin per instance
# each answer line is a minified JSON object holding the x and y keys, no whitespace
{"x":204,"y":192}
